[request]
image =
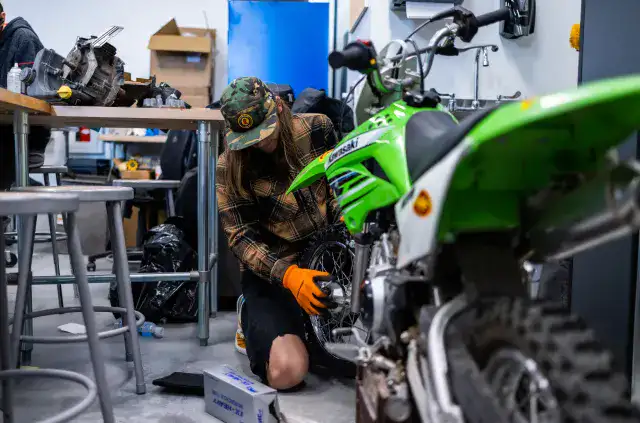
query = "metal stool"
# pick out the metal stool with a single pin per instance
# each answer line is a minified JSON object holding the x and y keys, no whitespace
{"x":46,"y":172}
{"x":28,"y":205}
{"x":150,"y":185}
{"x":113,"y":197}
{"x":135,"y":253}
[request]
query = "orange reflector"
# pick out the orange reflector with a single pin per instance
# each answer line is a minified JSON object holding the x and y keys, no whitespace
{"x":422,"y":205}
{"x":324,"y":156}
{"x":342,"y":219}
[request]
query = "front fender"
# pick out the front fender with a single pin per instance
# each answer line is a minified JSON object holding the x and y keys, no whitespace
{"x":310,"y":174}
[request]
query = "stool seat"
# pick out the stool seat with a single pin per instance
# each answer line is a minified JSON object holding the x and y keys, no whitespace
{"x":86,"y":193}
{"x":49,"y":169}
{"x":147,"y":184}
{"x":30,"y":203}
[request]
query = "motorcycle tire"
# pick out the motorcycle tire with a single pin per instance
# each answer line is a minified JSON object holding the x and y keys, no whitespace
{"x":579,"y":370}
{"x":555,"y":283}
{"x":321,"y":359}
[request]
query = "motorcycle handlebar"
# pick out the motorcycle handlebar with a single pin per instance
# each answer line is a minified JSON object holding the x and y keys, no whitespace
{"x":493,"y":17}
{"x":355,"y":56}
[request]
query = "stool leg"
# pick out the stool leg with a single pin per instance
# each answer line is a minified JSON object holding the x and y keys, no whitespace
{"x":27,"y":348}
{"x":86,"y":303}
{"x":54,"y":244}
{"x":5,"y":349}
{"x":114,"y":215}
{"x":58,"y":183}
{"x":24,"y":271}
{"x":121,"y":299}
{"x":171,"y":205}
{"x":76,"y":293}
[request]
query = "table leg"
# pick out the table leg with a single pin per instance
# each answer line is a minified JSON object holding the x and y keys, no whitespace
{"x":213,"y":224}
{"x":21,"y":137}
{"x":204,"y":202}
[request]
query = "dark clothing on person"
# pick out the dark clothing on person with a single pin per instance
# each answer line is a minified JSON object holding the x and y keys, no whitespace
{"x":19,"y":44}
{"x":269,"y":312}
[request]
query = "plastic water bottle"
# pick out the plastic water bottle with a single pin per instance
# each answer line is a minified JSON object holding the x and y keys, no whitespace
{"x":147,"y":329}
{"x":14,"y":83}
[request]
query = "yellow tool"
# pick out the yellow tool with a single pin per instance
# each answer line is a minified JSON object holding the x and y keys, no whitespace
{"x":132,"y":164}
{"x":65,"y":92}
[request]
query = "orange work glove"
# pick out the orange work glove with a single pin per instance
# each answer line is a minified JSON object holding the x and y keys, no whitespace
{"x":303,"y":285}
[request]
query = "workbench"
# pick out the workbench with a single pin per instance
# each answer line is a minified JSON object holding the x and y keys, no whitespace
{"x":209,"y":124}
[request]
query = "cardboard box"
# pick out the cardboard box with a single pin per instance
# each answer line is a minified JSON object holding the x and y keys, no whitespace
{"x":136,"y":174}
{"x":197,"y":101}
{"x":131,"y":228}
{"x":234,"y":398}
{"x":183,"y":58}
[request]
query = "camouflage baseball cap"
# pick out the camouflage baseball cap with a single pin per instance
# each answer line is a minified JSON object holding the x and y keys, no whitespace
{"x":249,"y":109}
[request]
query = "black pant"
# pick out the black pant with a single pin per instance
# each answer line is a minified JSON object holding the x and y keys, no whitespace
{"x":38,"y":140}
{"x":269,"y":312}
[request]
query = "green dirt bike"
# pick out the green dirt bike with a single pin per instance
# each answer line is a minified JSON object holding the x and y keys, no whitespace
{"x":444,"y":213}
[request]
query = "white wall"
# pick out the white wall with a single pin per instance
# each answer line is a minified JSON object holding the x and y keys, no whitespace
{"x":58,"y":23}
{"x":540,"y":64}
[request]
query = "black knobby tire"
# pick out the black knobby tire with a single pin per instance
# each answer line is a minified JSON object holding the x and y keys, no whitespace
{"x":555,"y":283}
{"x":579,"y":369}
{"x":321,"y":359}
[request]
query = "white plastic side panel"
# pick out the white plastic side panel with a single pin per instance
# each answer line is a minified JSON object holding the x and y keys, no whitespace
{"x":354,"y":144}
{"x":418,"y":235}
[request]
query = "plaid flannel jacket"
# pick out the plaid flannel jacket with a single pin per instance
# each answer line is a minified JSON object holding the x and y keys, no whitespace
{"x":268,"y":228}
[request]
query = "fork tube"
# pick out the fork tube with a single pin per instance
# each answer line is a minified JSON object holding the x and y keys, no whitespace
{"x":362,"y":250}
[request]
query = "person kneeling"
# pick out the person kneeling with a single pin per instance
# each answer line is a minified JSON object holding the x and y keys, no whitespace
{"x":267,"y":228}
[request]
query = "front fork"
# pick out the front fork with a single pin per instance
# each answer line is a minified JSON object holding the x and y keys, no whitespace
{"x":362,"y":251}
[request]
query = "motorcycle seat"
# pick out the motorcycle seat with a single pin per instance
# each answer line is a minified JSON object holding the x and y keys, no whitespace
{"x":431,"y":135}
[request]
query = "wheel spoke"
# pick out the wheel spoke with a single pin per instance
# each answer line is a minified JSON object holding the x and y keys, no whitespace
{"x":521,"y":388}
{"x":337,"y":259}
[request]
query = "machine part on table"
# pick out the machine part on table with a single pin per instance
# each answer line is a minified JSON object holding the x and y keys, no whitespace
{"x":90,"y":75}
{"x":132,"y":165}
{"x":149,"y":93}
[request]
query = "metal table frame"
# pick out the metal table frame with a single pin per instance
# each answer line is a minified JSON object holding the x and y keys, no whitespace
{"x":208,"y":146}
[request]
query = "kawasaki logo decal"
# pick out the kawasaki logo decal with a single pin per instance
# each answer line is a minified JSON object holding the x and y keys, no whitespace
{"x":355,"y":144}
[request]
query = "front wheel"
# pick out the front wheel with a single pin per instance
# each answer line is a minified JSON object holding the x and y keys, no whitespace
{"x":544,"y":365}
{"x":330,"y":251}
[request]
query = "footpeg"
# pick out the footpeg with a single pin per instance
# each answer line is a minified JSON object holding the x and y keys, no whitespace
{"x":348,"y":352}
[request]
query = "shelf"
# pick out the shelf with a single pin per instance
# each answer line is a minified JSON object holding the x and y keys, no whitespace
{"x":157,"y":139}
{"x":422,"y":9}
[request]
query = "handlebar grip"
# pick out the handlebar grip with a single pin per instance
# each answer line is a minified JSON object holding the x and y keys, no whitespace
{"x":493,"y":17}
{"x":355,"y":56}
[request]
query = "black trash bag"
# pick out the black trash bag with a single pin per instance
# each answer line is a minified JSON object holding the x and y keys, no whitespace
{"x":311,"y":100}
{"x":165,"y":250}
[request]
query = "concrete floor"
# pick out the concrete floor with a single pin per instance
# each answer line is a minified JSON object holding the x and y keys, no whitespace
{"x":322,"y":400}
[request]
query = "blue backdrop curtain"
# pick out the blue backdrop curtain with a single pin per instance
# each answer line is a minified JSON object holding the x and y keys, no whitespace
{"x":280,"y":42}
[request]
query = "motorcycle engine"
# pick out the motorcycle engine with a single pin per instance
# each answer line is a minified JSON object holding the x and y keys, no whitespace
{"x":376,"y":288}
{"x":91,"y":74}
